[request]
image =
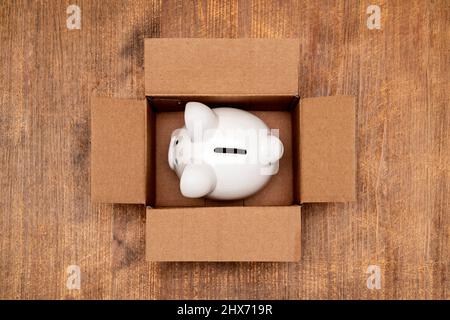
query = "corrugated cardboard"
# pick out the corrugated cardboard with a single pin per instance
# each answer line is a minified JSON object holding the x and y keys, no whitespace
{"x":221,"y":66}
{"x":224,"y":234}
{"x":247,"y":102}
{"x":327,"y":149}
{"x":118,"y":150}
{"x":130,"y":141}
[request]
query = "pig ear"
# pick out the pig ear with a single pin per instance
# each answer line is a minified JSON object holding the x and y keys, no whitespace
{"x":197,"y":180}
{"x":198,"y":118}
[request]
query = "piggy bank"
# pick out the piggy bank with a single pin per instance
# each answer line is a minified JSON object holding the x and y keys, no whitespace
{"x":223,"y":153}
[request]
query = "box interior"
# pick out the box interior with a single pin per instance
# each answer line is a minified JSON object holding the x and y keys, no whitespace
{"x":167,"y":114}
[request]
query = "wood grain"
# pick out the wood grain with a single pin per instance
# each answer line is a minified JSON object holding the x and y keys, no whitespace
{"x":399,"y":74}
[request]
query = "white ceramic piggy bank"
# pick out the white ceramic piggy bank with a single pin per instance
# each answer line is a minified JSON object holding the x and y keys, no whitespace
{"x":223,"y":153}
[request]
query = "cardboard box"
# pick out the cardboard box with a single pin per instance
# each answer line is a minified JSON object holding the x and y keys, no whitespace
{"x":130,"y":141}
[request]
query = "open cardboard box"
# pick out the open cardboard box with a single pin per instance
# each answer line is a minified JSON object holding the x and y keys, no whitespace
{"x":130,"y":140}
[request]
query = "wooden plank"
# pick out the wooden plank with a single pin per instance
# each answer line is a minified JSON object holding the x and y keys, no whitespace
{"x":400,"y":222}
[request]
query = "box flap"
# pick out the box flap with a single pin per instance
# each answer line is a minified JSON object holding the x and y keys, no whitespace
{"x":224,"y":234}
{"x":327,"y":149}
{"x":118,"y":150}
{"x":221,"y":66}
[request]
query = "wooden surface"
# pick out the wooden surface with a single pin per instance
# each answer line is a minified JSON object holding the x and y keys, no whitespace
{"x":400,"y":75}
